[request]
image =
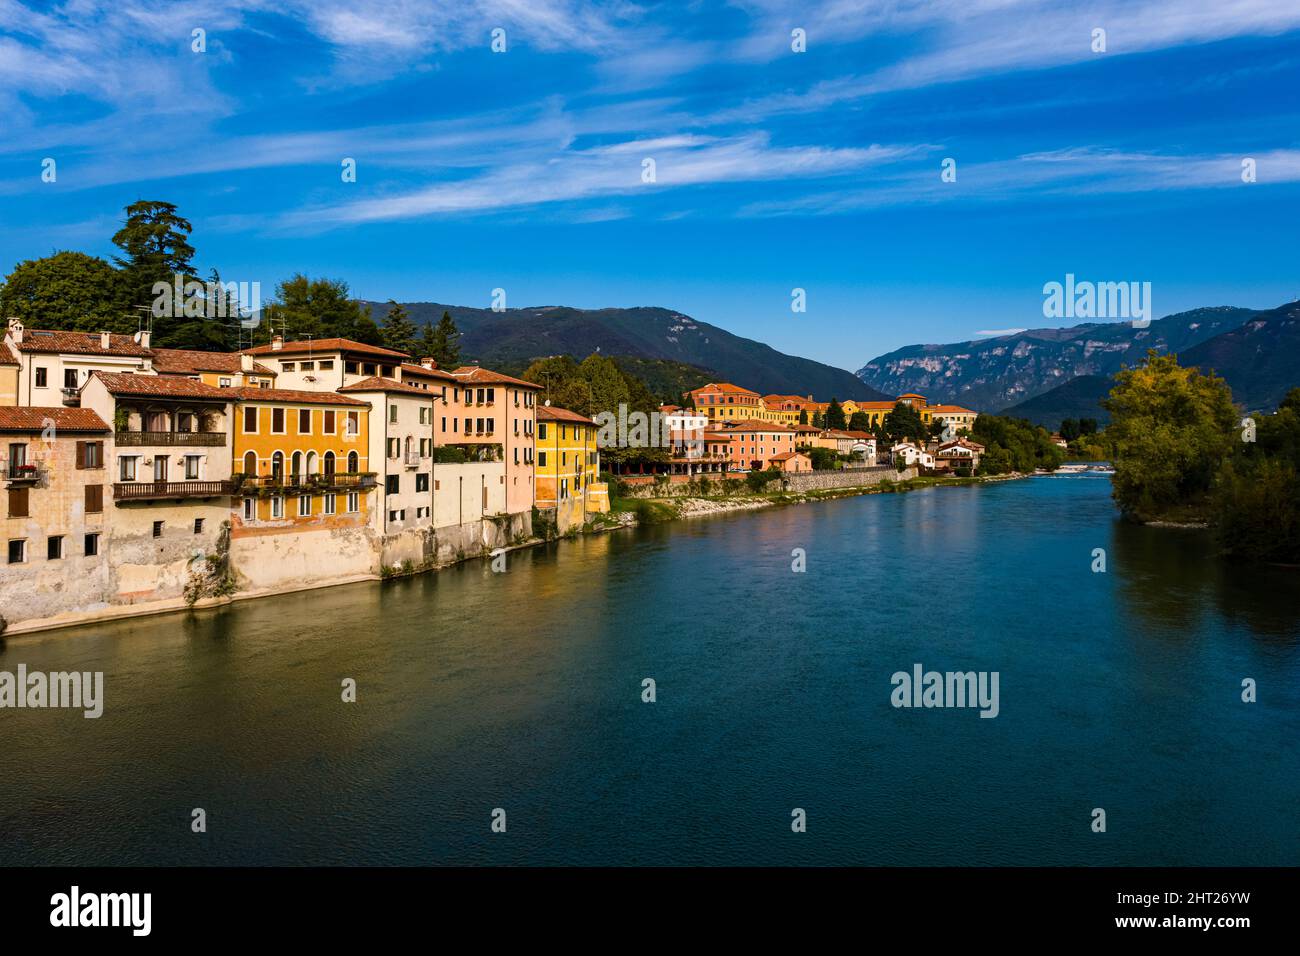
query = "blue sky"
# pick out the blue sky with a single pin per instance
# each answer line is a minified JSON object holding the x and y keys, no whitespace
{"x":774,"y":169}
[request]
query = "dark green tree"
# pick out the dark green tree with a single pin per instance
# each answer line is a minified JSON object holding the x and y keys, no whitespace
{"x":835,"y":415}
{"x":904,"y":421}
{"x":399,"y":330}
{"x":67,"y":291}
{"x":446,"y":343}
{"x":156,"y":248}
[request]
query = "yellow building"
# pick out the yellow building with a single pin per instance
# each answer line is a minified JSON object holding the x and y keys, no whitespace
{"x":724,"y":402}
{"x":568,"y":467}
{"x":301,"y":459}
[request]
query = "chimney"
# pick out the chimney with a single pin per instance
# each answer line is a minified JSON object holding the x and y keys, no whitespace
{"x":245,"y":362}
{"x":16,"y":330}
{"x":277,"y":343}
{"x":105,"y":340}
{"x":145,"y":335}
{"x":428,"y":362}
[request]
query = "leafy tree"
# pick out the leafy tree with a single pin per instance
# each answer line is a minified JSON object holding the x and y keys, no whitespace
{"x":860,"y":422}
{"x":319,"y":309}
{"x":835,"y":415}
{"x":156,"y":247}
{"x":1070,"y":429}
{"x":1255,"y":499}
{"x":819,"y":420}
{"x":1013,"y":445}
{"x":609,"y":386}
{"x":803,"y":416}
{"x":67,"y":291}
{"x":1172,"y":428}
{"x":399,"y":330}
{"x":823,"y":459}
{"x":1087,"y":426}
{"x":446,"y":343}
{"x":904,"y":421}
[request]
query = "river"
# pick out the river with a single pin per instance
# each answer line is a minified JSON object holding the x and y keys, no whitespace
{"x":523,"y":691}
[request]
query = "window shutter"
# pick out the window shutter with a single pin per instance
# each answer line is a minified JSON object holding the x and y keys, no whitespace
{"x":18,"y":502}
{"x":81,"y":454}
{"x":94,"y":499}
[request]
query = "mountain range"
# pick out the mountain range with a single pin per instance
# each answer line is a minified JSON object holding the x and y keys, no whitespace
{"x":514,"y":337}
{"x":996,"y":373}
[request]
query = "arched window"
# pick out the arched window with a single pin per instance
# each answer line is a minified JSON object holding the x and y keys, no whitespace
{"x":277,"y":464}
{"x":250,"y":463}
{"x":295,"y":468}
{"x":354,"y":462}
{"x":329,"y":463}
{"x":311,"y":463}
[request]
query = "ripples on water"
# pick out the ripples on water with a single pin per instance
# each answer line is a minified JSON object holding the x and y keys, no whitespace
{"x":522,"y":691}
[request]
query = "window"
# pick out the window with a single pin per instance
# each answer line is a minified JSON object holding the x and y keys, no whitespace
{"x":307,"y":367}
{"x":491,"y":395}
{"x":329,"y":462}
{"x":327,"y":365}
{"x":277,"y":465}
{"x":480,"y":396}
{"x":250,"y":420}
{"x":331,"y":505}
{"x":223,"y":382}
{"x":287,"y":366}
{"x":126,"y":467}
{"x":91,"y":544}
{"x":386,"y":371}
{"x":42,"y":381}
{"x":250,"y":509}
{"x":354,"y":462}
{"x":304,"y":506}
{"x":350,"y":368}
{"x":327,"y":420}
{"x":354,"y":502}
{"x":160,"y":467}
{"x":421,"y":482}
{"x":392,"y":484}
{"x":354,"y":424}
{"x":17,"y":551}
{"x":469,"y":425}
{"x":444,"y":423}
{"x":478,"y":426}
{"x":277,"y":421}
{"x":392,"y":413}
{"x":541,"y":459}
{"x":541,"y":431}
{"x":191,"y":467}
{"x":393,"y":448}
{"x":157,"y":529}
{"x":90,"y":454}
{"x":277,"y":507}
{"x":426,"y":447}
{"x":54,"y":545}
{"x":426,"y":415}
{"x":69,"y":378}
{"x":304,"y":421}
{"x":94,"y":499}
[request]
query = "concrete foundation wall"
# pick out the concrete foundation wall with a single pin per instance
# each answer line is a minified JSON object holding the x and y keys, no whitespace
{"x":858,"y":478}
{"x":301,"y":557}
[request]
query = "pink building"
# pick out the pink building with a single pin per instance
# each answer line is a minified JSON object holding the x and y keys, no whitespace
{"x":488,"y":408}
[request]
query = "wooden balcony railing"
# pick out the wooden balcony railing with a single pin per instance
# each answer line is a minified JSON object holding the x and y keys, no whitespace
{"x":190,"y":439}
{"x":147,"y":490}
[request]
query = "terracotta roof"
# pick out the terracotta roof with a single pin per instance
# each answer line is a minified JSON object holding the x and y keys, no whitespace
{"x":482,"y":376}
{"x":33,"y":419}
{"x":192,"y":361}
{"x":973,"y":445}
{"x":82,"y":343}
{"x":376,"y":384}
{"x":725,"y":387}
{"x":7,"y":357}
{"x":804,"y":429}
{"x":296,"y":396}
{"x":952,"y":408}
{"x":164,"y":386}
{"x":754,"y":425}
{"x":410,"y":369}
{"x":326,"y":345}
{"x":551,"y":413}
{"x":786,"y":454}
{"x":845,"y":433}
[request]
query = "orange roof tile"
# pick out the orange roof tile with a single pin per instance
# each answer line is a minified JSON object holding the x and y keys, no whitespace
{"x":551,"y":413}
{"x":294,"y":396}
{"x":34,"y":419}
{"x":376,"y":384}
{"x":478,"y":375}
{"x":163,"y":386}
{"x":326,"y":345}
{"x":46,"y":342}
{"x":193,"y":361}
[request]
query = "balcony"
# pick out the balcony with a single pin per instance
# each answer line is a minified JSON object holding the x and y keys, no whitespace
{"x":307,"y":484}
{"x":155,"y":490}
{"x":72,"y":397}
{"x":21,"y":475}
{"x":186,"y":439}
{"x":412,"y":459}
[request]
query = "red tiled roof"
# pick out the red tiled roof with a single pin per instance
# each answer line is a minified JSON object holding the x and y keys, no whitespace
{"x":482,"y":376}
{"x":551,"y":413}
{"x":725,"y":387}
{"x":410,"y":369}
{"x":376,"y":384}
{"x":163,"y":386}
{"x":7,"y":356}
{"x":33,"y":419}
{"x":786,"y":454}
{"x":42,"y":341}
{"x":754,"y":425}
{"x":192,"y":361}
{"x":295,"y":396}
{"x":326,"y":345}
